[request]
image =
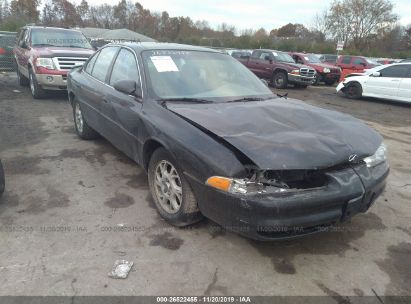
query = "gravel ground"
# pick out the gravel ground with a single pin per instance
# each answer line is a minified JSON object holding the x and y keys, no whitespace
{"x":72,"y":207}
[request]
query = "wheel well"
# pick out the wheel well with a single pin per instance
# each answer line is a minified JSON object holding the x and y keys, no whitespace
{"x":149,"y":147}
{"x":279,"y":71}
{"x":353,"y":82}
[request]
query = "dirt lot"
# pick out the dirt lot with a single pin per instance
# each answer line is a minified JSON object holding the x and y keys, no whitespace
{"x":73,"y":207}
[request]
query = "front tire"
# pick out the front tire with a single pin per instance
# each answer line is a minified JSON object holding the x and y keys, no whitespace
{"x":172,"y":195}
{"x":83,"y":130}
{"x":21,"y":79}
{"x":36,"y":90}
{"x":279,"y":80}
{"x":353,"y":91}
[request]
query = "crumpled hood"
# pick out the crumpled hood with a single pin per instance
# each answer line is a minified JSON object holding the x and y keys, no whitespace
{"x":284,"y":134}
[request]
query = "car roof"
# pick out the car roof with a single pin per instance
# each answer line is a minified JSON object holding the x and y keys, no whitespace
{"x":301,"y":54}
{"x":49,"y":28}
{"x":139,"y":47}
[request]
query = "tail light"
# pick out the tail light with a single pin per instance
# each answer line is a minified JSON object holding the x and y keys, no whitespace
{"x":2,"y":51}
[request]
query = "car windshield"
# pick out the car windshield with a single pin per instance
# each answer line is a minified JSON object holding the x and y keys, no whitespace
{"x":59,"y":38}
{"x":311,"y":58}
{"x":283,"y":57}
{"x":200,"y":75}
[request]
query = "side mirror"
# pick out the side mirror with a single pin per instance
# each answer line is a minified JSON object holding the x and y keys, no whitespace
{"x":268,"y":58}
{"x":363,"y":64}
{"x":128,"y":87}
{"x":375,"y":74}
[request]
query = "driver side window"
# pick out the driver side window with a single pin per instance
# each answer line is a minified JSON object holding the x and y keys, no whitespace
{"x":125,"y":67}
{"x":397,"y":71}
{"x":264,"y":56}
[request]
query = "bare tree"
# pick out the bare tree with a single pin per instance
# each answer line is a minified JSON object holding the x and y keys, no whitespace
{"x":356,"y":20}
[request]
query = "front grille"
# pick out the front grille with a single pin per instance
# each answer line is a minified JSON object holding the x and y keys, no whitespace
{"x":67,"y":63}
{"x":307,"y":72}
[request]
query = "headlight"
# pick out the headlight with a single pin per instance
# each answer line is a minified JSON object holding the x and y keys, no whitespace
{"x":234,"y":185}
{"x":327,"y":70}
{"x":378,"y":157}
{"x":295,"y":72}
{"x":45,"y":63}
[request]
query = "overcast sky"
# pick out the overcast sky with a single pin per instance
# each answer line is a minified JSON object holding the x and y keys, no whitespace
{"x":250,"y":14}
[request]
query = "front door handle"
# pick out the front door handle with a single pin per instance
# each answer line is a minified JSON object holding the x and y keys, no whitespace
{"x":106,"y":100}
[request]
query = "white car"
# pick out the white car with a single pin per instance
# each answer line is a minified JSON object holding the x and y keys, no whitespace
{"x":391,"y":82}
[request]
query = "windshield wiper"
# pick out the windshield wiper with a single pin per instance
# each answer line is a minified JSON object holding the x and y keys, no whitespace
{"x":44,"y":44}
{"x":249,"y":99}
{"x":184,"y":99}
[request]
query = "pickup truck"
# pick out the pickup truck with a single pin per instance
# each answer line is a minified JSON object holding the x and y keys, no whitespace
{"x":279,"y":69}
{"x":327,"y":73}
{"x":44,"y":55}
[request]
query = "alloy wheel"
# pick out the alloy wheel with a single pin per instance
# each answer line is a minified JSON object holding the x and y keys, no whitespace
{"x":167,"y":185}
{"x":79,"y":118}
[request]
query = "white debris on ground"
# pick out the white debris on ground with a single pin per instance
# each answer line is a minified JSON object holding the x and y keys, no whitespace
{"x":120,"y":269}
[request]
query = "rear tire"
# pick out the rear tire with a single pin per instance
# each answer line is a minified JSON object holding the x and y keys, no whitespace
{"x":36,"y":90}
{"x":353,"y":90}
{"x":317,"y":79}
{"x":21,"y":79}
{"x":83,"y":130}
{"x":172,"y":194}
{"x":279,"y":80}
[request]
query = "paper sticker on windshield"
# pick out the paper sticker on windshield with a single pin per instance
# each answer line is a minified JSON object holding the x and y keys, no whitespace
{"x":275,"y":54}
{"x":164,"y":64}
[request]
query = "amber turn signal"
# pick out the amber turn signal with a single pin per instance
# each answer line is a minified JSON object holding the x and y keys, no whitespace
{"x":222,"y":183}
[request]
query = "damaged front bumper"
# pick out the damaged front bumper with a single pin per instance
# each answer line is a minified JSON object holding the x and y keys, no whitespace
{"x":270,"y":216}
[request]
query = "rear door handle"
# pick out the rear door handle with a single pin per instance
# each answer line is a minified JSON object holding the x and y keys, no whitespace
{"x":106,"y":100}
{"x":395,"y":80}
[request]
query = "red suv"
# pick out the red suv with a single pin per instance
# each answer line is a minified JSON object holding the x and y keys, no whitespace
{"x":44,"y":55}
{"x":356,"y":63}
{"x":327,"y":73}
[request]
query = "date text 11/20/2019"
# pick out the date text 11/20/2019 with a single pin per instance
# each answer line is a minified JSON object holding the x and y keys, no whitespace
{"x":204,"y":299}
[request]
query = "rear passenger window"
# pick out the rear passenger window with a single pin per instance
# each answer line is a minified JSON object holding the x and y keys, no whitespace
{"x":256,"y":54}
{"x":103,"y":62}
{"x":346,"y":60}
{"x":358,"y":61}
{"x":125,"y":67}
{"x":90,"y":64}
